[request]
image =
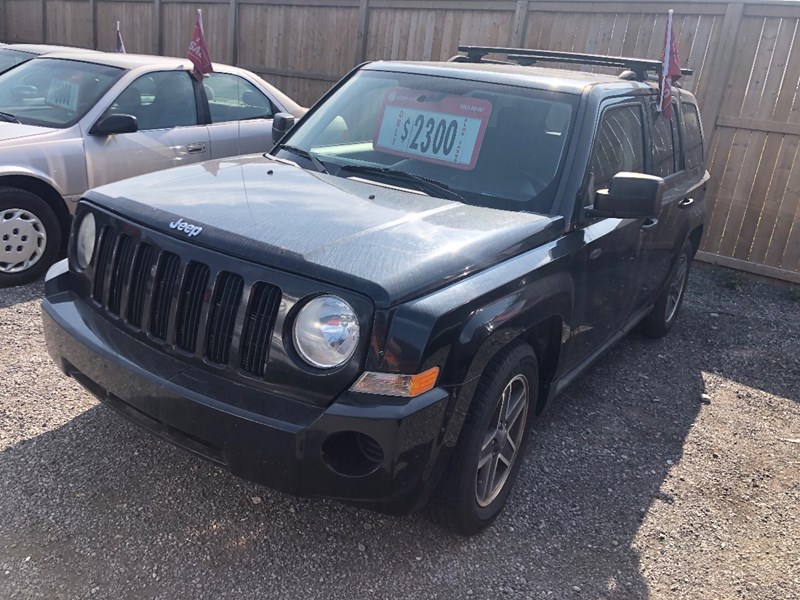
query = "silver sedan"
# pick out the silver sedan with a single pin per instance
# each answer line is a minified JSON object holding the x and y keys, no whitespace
{"x":74,"y":121}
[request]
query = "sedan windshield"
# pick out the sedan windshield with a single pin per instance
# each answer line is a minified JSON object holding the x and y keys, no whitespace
{"x":491,"y":145}
{"x":11,"y":58}
{"x":53,"y":92}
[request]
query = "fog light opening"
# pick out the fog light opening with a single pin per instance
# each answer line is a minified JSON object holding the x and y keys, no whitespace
{"x":352,"y":453}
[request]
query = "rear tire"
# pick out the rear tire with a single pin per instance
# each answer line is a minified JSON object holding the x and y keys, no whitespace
{"x":665,"y":312}
{"x":30,"y":236}
{"x":491,"y":447}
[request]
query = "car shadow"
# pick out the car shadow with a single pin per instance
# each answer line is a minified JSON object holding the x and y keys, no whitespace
{"x":99,"y":503}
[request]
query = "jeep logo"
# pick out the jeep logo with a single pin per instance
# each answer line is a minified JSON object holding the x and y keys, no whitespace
{"x":181,"y":225}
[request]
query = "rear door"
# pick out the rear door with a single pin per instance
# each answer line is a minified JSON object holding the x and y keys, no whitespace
{"x":170,"y":134}
{"x":241,"y":116}
{"x":662,"y":239}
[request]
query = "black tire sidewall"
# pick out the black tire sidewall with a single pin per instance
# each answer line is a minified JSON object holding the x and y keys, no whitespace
{"x":458,"y":487}
{"x":655,"y":325}
{"x":17,"y":198}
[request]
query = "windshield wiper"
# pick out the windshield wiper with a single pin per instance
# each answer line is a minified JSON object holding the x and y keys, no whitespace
{"x":307,"y":155}
{"x":423,"y":184}
{"x":8,"y":117}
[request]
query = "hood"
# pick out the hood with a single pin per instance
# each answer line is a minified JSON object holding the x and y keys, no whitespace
{"x":389,"y":244}
{"x":15,"y":131}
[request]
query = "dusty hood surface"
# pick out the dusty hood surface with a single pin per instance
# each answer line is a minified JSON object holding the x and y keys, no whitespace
{"x":15,"y":131}
{"x":389,"y":244}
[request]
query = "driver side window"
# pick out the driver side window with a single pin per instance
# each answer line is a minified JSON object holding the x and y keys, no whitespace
{"x":160,"y":100}
{"x":619,"y":145}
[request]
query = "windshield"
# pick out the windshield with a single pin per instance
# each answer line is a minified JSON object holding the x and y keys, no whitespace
{"x":492,"y":145}
{"x":11,"y":58}
{"x":52,"y":92}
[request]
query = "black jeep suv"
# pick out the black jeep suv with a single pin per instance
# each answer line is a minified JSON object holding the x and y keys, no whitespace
{"x":377,"y":310}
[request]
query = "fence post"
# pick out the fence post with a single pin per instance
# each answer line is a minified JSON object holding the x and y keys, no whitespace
{"x":44,"y":21}
{"x":517,"y":34}
{"x":720,"y":67}
{"x":361,"y":34}
{"x":233,"y":31}
{"x":159,"y":45}
{"x":93,"y":17}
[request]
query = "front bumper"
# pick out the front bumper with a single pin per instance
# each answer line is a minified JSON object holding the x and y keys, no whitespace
{"x":287,"y":445}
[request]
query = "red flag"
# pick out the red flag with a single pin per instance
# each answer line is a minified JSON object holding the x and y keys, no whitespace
{"x":670,"y":69}
{"x":198,"y":51}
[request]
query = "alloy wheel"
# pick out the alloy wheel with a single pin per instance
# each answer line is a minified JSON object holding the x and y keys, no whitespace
{"x":502,"y":440}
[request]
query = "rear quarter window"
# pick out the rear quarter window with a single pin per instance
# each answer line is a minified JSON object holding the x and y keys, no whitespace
{"x":693,"y":137}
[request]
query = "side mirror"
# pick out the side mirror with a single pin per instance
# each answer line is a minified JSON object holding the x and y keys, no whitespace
{"x":281,"y":124}
{"x":113,"y":124}
{"x":629,"y":196}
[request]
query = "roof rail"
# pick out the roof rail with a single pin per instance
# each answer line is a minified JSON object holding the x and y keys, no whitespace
{"x":527,"y":57}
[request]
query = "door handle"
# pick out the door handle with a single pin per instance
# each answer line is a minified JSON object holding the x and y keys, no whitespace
{"x":196,"y":148}
{"x":648,"y":224}
{"x":686,"y":202}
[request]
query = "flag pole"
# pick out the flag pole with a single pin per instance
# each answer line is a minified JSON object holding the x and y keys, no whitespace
{"x":665,"y":61}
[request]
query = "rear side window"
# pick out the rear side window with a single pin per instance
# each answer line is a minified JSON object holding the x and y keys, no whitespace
{"x":693,"y":141}
{"x":619,"y":145}
{"x":231,"y":98}
{"x":665,"y":143}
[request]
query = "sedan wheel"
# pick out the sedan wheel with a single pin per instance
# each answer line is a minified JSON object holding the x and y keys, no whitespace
{"x":30,"y":236}
{"x":23,"y":240}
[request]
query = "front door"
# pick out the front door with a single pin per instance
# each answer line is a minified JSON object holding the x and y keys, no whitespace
{"x":241,"y":116}
{"x":608,"y":291}
{"x":165,"y":106}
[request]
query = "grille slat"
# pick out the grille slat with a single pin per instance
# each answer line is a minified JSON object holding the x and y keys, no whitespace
{"x":259,"y":321}
{"x":140,"y":273}
{"x":120,"y":268}
{"x":225,"y":305}
{"x":190,"y":305}
{"x":225,"y":318}
{"x":104,"y":251}
{"x":166,"y":276}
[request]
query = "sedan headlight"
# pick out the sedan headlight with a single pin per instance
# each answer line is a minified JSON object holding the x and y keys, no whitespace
{"x":85,"y":240}
{"x":326,"y":332}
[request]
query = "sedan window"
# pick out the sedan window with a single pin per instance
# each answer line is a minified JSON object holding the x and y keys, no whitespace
{"x":161,"y":100}
{"x":232,"y":98}
{"x":52,"y":92}
{"x":11,"y":58}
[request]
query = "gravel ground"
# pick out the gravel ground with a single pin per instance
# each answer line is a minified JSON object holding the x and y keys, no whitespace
{"x":636,"y":485}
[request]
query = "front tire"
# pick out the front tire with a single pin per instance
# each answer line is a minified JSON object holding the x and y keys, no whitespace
{"x":30,"y":236}
{"x":661,"y":319}
{"x":490,"y":450}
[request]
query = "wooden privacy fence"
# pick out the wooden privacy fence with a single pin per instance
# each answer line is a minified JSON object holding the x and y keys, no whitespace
{"x":745,"y":54}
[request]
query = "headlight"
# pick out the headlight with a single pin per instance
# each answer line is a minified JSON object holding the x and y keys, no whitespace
{"x":326,"y":332}
{"x":85,"y":241}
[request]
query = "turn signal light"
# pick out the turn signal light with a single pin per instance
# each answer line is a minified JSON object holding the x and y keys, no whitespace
{"x":392,"y":384}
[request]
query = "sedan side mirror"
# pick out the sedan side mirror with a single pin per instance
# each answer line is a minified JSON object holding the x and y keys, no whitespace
{"x":113,"y":124}
{"x":281,"y":124}
{"x":629,"y":196}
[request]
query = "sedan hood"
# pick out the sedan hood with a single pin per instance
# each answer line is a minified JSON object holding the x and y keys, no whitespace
{"x":389,"y":244}
{"x":15,"y":131}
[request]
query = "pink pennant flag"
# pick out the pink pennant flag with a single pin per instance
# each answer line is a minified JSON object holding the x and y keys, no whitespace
{"x":198,"y":51}
{"x":670,"y":69}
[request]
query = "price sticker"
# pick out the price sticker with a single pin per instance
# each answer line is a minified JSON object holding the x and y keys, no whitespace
{"x":440,"y":129}
{"x":63,"y":93}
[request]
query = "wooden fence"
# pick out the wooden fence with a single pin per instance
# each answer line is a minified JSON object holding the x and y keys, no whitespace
{"x":745,"y":54}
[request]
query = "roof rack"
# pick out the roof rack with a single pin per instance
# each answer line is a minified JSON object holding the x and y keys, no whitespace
{"x":527,"y":57}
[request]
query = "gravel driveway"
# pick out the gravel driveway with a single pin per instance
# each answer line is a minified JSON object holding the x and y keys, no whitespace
{"x":636,"y":485}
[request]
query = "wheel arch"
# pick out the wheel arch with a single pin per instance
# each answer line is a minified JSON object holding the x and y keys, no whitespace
{"x":46,"y":192}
